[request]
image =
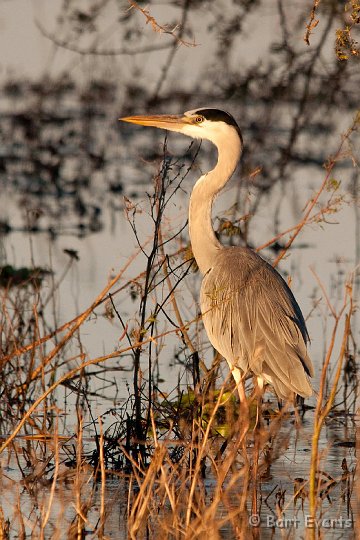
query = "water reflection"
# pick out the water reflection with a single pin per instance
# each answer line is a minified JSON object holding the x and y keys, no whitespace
{"x":65,"y":167}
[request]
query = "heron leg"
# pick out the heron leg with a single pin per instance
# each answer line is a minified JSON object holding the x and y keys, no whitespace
{"x":237,"y":374}
{"x":258,"y":440}
{"x":258,"y":396}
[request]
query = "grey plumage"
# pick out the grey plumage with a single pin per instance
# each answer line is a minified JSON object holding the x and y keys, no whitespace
{"x":249,"y":312}
{"x":254,"y":321}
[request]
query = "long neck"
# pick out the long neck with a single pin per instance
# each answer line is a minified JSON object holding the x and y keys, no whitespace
{"x":204,"y":243}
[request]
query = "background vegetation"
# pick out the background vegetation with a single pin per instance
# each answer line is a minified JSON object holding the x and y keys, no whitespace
{"x":83,"y":454}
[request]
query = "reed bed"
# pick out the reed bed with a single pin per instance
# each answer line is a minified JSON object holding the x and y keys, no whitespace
{"x":190,"y":463}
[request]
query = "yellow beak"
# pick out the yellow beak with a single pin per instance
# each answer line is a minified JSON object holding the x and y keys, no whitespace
{"x":172,"y":122}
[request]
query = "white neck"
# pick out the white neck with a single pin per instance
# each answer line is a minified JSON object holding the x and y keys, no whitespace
{"x":204,"y":243}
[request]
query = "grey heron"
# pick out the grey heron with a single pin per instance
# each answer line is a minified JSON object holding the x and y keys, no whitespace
{"x":250,"y":314}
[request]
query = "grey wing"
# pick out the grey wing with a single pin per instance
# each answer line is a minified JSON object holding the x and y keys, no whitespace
{"x":254,"y":321}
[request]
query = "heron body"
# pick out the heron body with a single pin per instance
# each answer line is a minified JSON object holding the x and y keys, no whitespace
{"x":250,"y":314}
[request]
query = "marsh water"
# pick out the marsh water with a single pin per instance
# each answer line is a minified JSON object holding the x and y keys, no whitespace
{"x":74,"y":180}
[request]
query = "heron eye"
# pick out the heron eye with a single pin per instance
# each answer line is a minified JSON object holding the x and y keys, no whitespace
{"x":199,"y":119}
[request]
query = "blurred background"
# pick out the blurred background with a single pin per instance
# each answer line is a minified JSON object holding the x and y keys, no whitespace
{"x":70,"y":69}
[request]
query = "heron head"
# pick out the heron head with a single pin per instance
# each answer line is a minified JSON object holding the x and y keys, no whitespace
{"x":204,"y":123}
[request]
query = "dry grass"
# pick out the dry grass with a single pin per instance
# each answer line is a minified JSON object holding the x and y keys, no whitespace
{"x":192,"y":464}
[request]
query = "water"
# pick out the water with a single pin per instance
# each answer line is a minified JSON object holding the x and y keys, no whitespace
{"x":65,"y":166}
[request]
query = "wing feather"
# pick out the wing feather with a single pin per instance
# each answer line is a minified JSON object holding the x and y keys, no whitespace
{"x":253,"y":320}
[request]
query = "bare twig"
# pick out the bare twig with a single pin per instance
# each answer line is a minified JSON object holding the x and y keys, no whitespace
{"x":94,"y":50}
{"x":158,"y":27}
{"x":323,"y":409}
{"x":312,"y":24}
{"x":329,"y":168}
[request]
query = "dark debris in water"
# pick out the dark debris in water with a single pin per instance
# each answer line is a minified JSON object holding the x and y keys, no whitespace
{"x":345,"y":444}
{"x":21,"y":277}
{"x":73,"y":253}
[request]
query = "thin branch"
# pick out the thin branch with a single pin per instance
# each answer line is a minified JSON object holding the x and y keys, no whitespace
{"x":329,"y":167}
{"x":322,"y":410}
{"x":84,"y":51}
{"x":158,"y":27}
{"x":70,"y":374}
{"x":312,"y":22}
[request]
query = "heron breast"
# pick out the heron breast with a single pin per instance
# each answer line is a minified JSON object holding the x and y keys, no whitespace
{"x":225,"y":319}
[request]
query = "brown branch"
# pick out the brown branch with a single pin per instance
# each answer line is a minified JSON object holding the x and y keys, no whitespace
{"x":328,"y":167}
{"x":70,"y":375}
{"x":173,"y":51}
{"x":319,"y":216}
{"x":312,"y":22}
{"x":322,"y":410}
{"x":98,"y":52}
{"x":34,"y":344}
{"x":326,"y":296}
{"x":158,"y":27}
{"x":79,"y":321}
